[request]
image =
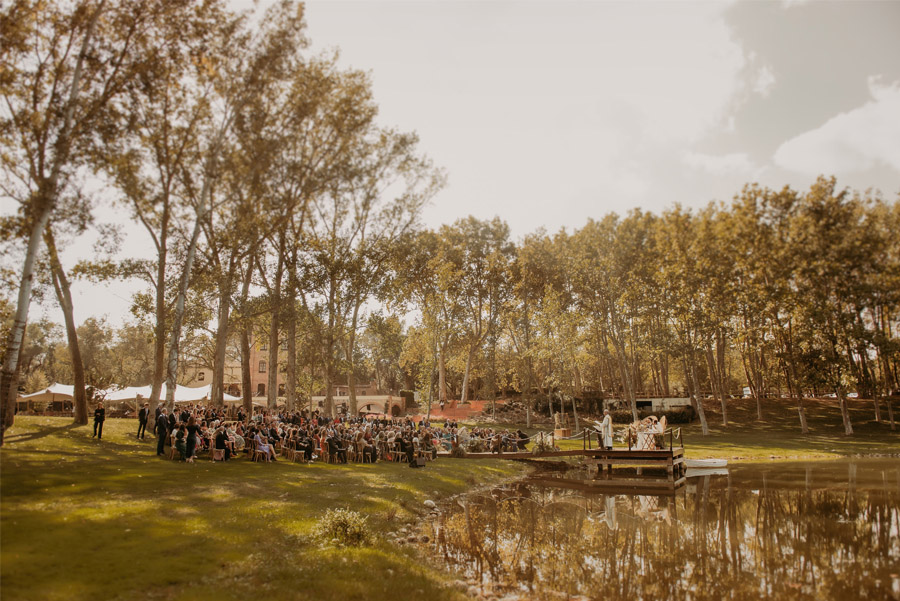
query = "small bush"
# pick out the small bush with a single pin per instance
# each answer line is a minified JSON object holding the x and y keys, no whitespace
{"x":542,"y":446}
{"x":347,"y":527}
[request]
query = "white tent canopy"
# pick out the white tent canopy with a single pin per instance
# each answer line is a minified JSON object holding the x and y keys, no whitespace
{"x":183,"y":394}
{"x":55,"y":392}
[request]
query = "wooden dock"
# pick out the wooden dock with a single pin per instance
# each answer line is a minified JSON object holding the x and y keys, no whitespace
{"x":672,"y":459}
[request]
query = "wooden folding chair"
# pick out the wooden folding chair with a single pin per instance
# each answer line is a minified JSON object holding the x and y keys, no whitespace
{"x":288,"y":452}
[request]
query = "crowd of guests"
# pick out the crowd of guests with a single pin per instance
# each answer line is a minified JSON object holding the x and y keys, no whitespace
{"x":192,"y":430}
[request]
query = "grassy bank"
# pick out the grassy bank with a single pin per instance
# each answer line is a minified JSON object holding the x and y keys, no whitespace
{"x":777,"y":435}
{"x":89,"y":519}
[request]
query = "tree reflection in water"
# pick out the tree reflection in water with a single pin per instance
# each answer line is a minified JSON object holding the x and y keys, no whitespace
{"x":789,"y":531}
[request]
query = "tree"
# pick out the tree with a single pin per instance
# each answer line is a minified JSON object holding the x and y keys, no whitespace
{"x":62,"y":67}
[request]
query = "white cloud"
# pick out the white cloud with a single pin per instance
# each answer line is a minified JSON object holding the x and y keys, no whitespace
{"x":860,"y":139}
{"x":734,"y":163}
{"x":765,"y":81}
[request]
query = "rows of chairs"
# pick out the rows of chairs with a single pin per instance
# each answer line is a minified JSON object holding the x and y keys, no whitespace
{"x":386,"y":452}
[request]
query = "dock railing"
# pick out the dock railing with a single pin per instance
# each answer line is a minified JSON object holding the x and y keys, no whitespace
{"x":673,"y":434}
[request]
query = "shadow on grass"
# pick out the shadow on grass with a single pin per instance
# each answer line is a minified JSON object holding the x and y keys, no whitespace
{"x":40,"y":432}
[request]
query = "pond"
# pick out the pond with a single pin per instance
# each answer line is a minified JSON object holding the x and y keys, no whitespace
{"x":813,"y":530}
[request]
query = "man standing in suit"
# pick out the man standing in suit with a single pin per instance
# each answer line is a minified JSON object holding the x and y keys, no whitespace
{"x":99,"y":417}
{"x":143,"y":416}
{"x":162,"y":431}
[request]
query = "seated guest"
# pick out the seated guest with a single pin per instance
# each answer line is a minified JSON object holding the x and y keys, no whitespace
{"x":428,"y":447}
{"x":408,"y":448}
{"x":262,"y":444}
{"x":222,"y":442}
{"x":365,"y":448}
{"x":336,"y":450}
{"x":304,"y":445}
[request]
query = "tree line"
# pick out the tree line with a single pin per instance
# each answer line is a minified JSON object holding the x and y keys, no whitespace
{"x":280,"y":209}
{"x":789,"y":294}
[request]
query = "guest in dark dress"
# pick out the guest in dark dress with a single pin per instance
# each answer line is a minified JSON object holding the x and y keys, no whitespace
{"x":180,"y":444}
{"x":193,"y":431}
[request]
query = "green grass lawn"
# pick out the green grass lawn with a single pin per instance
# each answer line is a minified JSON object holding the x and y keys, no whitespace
{"x":778,"y":435}
{"x":99,"y":520}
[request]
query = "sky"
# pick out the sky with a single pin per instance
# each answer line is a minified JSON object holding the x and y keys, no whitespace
{"x":549,"y":113}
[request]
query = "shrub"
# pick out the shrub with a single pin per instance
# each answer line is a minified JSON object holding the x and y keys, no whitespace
{"x":347,"y":527}
{"x":542,"y":446}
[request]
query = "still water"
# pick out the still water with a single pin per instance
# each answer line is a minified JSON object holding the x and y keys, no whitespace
{"x":815,"y":530}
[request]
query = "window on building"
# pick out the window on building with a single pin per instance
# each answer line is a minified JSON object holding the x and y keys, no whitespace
{"x":284,"y":345}
{"x":262,"y":367}
{"x":261,"y":389}
{"x":201,"y":376}
{"x":281,"y":390}
{"x":263,"y":346}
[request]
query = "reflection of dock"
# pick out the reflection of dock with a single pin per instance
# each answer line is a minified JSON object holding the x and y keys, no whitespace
{"x":636,"y":486}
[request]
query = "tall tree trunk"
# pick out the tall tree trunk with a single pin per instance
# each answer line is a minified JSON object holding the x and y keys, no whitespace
{"x":64,"y":296}
{"x":745,"y":361}
{"x":329,"y":352}
{"x":626,"y":380}
{"x":178,"y":317}
{"x":786,"y":338}
{"x":529,"y":369}
{"x":442,"y":371}
{"x":691,"y":372}
{"x":664,"y":371}
{"x":329,"y":375}
{"x":246,"y":381}
{"x":575,"y":414}
{"x":291,"y":383}
{"x":845,"y":411}
{"x":223,"y":330}
{"x":275,"y":324}
{"x":351,"y":348}
{"x":715,"y":382}
{"x":465,"y":385}
{"x":159,"y":334}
